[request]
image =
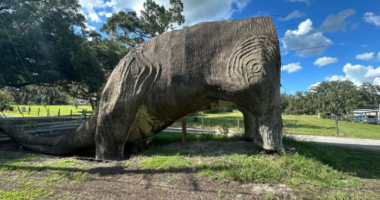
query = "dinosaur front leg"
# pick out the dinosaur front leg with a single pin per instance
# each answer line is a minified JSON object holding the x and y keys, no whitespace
{"x":123,"y":96}
{"x":113,"y":130}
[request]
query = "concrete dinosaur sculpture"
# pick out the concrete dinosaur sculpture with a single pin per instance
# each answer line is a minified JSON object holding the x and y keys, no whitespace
{"x":210,"y":64}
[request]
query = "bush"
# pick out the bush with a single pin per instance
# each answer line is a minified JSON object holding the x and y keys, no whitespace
{"x":4,"y":96}
{"x":4,"y":105}
{"x":323,"y":115}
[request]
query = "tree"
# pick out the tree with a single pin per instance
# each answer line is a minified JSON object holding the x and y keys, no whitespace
{"x":108,"y":53}
{"x":44,"y":43}
{"x":157,"y":20}
{"x":132,"y":30}
{"x":4,"y":102}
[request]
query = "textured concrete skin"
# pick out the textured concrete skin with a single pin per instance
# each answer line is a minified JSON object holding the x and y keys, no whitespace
{"x":180,"y":72}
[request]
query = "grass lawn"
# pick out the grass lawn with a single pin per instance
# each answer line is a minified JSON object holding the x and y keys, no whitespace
{"x":311,"y":125}
{"x":53,"y":110}
{"x":206,"y":167}
{"x":215,"y":120}
{"x":293,"y":124}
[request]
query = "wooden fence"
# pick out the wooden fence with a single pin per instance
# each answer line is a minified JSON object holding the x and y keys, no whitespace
{"x":48,"y":126}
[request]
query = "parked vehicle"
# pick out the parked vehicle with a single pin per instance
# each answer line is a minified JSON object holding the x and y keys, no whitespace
{"x":378,"y":120}
{"x":370,"y":119}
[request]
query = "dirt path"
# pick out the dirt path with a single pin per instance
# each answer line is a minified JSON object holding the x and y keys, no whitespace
{"x":338,"y":141}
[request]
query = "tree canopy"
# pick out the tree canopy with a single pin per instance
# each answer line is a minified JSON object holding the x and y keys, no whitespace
{"x":47,"y":43}
{"x":334,"y":97}
{"x":132,"y":30}
{"x":43,"y":42}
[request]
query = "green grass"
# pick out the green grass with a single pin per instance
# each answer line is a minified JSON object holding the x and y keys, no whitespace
{"x":339,"y":172}
{"x":165,"y":138}
{"x":215,"y":120}
{"x":34,"y":177}
{"x":293,"y":124}
{"x":311,"y":125}
{"x":364,"y":163}
{"x":53,"y":110}
{"x":315,"y":170}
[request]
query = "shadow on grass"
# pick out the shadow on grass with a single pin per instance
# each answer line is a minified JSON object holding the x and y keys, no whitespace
{"x":357,"y":162}
{"x":364,"y":163}
{"x":196,"y":121}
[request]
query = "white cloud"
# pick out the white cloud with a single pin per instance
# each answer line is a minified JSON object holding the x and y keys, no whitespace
{"x":336,"y":78}
{"x":336,"y":22}
{"x":303,"y":1}
{"x":107,"y":14}
{"x":376,"y":81}
{"x":365,"y":56}
{"x":378,"y":55}
{"x":292,"y":67}
{"x":306,"y":40}
{"x":358,"y":74}
{"x":355,"y":26}
{"x":88,"y":9}
{"x":325,"y":61}
{"x":372,"y":18}
{"x":293,"y":15}
{"x":313,"y":86}
{"x":89,"y":28}
{"x":110,"y":3}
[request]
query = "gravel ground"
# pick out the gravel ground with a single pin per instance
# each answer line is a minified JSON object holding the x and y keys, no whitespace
{"x":338,"y":141}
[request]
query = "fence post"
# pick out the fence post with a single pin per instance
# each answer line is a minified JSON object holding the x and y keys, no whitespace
{"x":336,"y":126}
{"x":183,"y":120}
{"x":59,"y":112}
{"x":38,"y":113}
{"x":84,"y":114}
{"x":48,"y":114}
{"x":71,"y":114}
{"x":238,"y":121}
{"x":29,"y":110}
{"x":203,"y":122}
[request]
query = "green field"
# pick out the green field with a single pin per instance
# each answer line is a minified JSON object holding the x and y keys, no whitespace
{"x":293,"y":124}
{"x":53,"y":110}
{"x":315,"y":171}
{"x":311,"y":125}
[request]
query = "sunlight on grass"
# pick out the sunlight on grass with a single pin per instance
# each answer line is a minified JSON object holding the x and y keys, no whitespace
{"x":25,"y":170}
{"x":53,"y":110}
{"x":291,"y":169}
{"x":28,"y":192}
{"x":167,"y":162}
{"x":311,"y":125}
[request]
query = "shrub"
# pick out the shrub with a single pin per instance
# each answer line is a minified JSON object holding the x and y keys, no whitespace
{"x":323,"y":115}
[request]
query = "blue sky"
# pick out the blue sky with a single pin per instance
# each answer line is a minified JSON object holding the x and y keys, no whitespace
{"x":347,"y":30}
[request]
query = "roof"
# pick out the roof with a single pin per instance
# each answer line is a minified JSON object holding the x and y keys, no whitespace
{"x":365,"y":110}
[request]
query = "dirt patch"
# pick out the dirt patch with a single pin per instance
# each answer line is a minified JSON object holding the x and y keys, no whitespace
{"x":114,"y":180}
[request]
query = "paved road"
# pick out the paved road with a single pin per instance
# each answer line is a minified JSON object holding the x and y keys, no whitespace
{"x":338,"y":141}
